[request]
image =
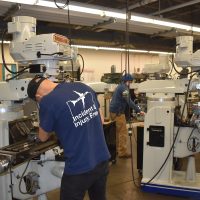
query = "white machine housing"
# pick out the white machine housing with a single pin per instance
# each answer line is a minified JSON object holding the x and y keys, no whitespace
{"x":184,"y":56}
{"x":161,"y":67}
{"x":160,"y":115}
{"x":15,"y":91}
{"x":26,"y":44}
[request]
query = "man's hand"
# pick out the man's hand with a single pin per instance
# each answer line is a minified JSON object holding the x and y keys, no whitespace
{"x":43,"y":135}
{"x":142,"y":113}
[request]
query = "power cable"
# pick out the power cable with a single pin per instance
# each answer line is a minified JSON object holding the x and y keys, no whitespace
{"x":189,"y":138}
{"x":172,"y":62}
{"x":11,"y":180}
{"x":83,"y":63}
{"x":121,"y":60}
{"x":3,"y":56}
{"x":171,"y":69}
{"x":132,"y":164}
{"x":72,"y":63}
{"x":21,"y":178}
{"x":39,"y":54}
{"x":127,"y":70}
{"x":14,"y":77}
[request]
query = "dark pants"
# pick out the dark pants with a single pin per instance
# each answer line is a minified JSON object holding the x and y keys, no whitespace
{"x":74,"y":187}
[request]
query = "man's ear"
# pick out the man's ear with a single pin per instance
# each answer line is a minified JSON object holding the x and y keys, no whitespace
{"x":38,"y":97}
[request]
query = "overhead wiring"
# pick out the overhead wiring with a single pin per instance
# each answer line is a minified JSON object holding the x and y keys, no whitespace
{"x":66,"y":4}
{"x":69,"y":24}
{"x":61,"y":7}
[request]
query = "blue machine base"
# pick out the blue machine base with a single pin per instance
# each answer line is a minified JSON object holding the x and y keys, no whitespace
{"x":171,"y":190}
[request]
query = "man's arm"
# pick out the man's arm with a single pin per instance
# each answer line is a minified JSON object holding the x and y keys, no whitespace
{"x":127,"y":97}
{"x":133,"y":105}
{"x":43,"y":135}
{"x":101,"y":115}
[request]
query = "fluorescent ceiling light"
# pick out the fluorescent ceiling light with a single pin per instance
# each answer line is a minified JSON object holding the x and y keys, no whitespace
{"x":164,"y":23}
{"x":196,"y":29}
{"x":120,"y":49}
{"x":115,"y":14}
{"x":161,"y":52}
{"x":112,"y":49}
{"x":138,"y":51}
{"x":6,"y":42}
{"x":107,"y":13}
{"x":28,"y":2}
{"x":84,"y":9}
{"x":98,"y":48}
{"x":74,"y":8}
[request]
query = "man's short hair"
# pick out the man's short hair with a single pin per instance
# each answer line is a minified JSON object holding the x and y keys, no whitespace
{"x":33,"y":86}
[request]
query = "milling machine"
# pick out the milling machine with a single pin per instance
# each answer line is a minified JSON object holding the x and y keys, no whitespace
{"x":166,"y":138}
{"x":26,"y":164}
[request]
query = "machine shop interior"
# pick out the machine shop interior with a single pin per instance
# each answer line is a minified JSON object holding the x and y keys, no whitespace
{"x":97,"y":43}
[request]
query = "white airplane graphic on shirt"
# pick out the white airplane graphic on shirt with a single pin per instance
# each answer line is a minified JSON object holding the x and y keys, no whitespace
{"x":81,"y":97}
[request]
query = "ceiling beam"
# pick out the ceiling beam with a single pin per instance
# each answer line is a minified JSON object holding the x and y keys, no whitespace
{"x":187,"y":12}
{"x":11,"y":11}
{"x":105,"y":22}
{"x":176,"y":7}
{"x":162,"y":33}
{"x":90,"y":1}
{"x":115,"y":39}
{"x":141,"y":3}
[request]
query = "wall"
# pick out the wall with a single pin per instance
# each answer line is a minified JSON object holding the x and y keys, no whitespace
{"x":98,"y":62}
{"x":4,"y":74}
{"x":8,"y":58}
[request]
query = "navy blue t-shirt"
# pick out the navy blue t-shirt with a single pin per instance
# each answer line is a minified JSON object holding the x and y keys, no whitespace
{"x":72,"y":111}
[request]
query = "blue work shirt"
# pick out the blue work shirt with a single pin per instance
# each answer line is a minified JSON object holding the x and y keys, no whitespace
{"x":120,"y":99}
{"x":72,"y":111}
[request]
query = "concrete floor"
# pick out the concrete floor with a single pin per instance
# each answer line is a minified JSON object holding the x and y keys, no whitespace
{"x":120,"y":185}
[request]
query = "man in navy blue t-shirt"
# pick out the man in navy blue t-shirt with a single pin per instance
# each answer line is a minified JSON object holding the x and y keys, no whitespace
{"x":120,"y":99}
{"x":71,"y":110}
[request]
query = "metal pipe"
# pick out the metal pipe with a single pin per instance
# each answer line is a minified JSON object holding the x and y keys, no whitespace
{"x":176,"y":7}
{"x":141,"y":3}
{"x":104,"y":23}
{"x":11,"y":11}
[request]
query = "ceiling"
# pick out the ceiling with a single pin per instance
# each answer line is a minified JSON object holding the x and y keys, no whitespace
{"x":105,"y":31}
